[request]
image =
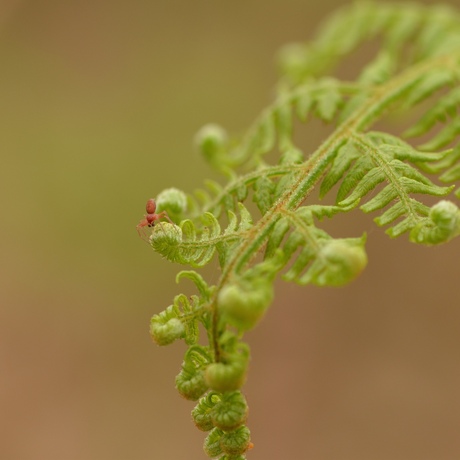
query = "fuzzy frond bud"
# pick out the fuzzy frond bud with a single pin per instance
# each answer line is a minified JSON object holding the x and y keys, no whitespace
{"x":244,"y":304}
{"x":168,"y":332}
{"x":230,"y":412}
{"x":173,"y":201}
{"x":229,"y":375}
{"x":338,"y":262}
{"x":236,"y":442}
{"x":211,"y":140}
{"x":201,"y":414}
{"x":442,"y":225}
{"x":166,"y":239}
{"x":212,"y":443}
{"x":190,"y":382}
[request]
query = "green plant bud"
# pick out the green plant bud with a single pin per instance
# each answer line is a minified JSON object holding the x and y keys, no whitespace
{"x":244,"y":304}
{"x":191,"y":386}
{"x":227,"y":376}
{"x":442,"y":226}
{"x":236,"y":442}
{"x":202,"y":420}
{"x":230,"y":412}
{"x":338,"y":262}
{"x":292,"y":59}
{"x":173,"y":201}
{"x":201,"y":414}
{"x":190,"y":382}
{"x":166,"y":333}
{"x":212,"y":443}
{"x":166,"y":239}
{"x":211,"y":140}
{"x":445,"y":215}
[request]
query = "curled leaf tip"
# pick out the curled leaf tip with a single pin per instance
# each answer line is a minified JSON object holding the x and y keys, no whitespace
{"x":211,"y":141}
{"x":173,"y":201}
{"x":339,"y":262}
{"x":168,"y":332}
{"x":244,"y":304}
{"x":165,"y":239}
{"x":442,"y":224}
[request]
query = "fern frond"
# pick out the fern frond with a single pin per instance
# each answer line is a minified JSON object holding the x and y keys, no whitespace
{"x":321,"y":259}
{"x":403,"y":181}
{"x":188,"y":244}
{"x":430,"y":32}
{"x":178,"y":321}
{"x":296,"y":239}
{"x":322,"y":98}
{"x":417,"y":65}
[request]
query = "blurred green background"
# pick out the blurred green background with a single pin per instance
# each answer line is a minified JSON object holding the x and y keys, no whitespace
{"x":99,"y":104}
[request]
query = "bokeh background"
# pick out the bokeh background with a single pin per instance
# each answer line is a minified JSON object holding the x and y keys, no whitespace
{"x":100,"y":100}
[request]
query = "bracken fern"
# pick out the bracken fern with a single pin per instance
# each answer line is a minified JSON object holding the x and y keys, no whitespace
{"x":417,"y":62}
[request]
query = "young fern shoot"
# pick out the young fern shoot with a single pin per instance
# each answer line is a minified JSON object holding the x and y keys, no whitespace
{"x":418,"y":61}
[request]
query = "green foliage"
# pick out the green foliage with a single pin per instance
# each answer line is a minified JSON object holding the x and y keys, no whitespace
{"x":417,"y":64}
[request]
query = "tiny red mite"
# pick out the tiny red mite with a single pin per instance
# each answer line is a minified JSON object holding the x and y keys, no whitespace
{"x":151,"y":206}
{"x":150,"y":218}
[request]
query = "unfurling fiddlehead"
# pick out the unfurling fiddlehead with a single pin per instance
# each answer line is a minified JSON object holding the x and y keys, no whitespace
{"x":418,"y":61}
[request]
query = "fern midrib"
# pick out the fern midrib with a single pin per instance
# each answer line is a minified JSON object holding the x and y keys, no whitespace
{"x":212,"y":241}
{"x":392,"y":178}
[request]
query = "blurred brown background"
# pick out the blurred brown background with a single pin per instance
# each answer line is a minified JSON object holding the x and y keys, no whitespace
{"x":99,"y":104}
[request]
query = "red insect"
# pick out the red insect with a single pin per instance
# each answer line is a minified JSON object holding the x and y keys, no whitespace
{"x":150,"y":218}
